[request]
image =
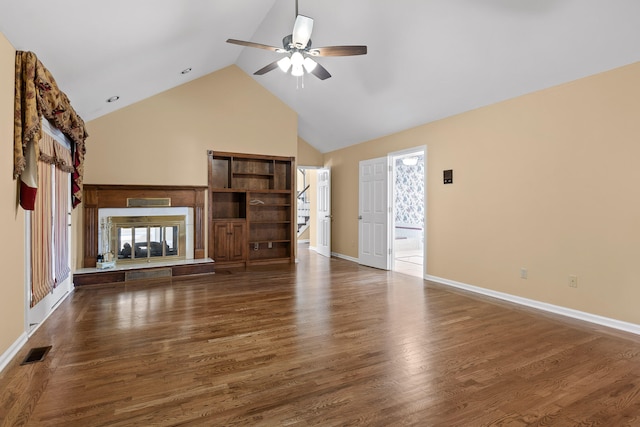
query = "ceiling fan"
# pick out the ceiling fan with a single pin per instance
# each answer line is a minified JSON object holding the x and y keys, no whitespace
{"x":297,"y":46}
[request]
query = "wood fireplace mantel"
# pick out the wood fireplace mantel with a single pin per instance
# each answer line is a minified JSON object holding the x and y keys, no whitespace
{"x":115,"y":196}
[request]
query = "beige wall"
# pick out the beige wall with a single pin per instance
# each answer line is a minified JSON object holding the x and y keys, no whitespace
{"x":12,"y":300}
{"x":547,"y":181}
{"x":308,"y":155}
{"x":305,"y":235}
{"x":163,"y":140}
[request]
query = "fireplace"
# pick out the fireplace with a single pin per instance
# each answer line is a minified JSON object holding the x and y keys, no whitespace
{"x":104,"y":201}
{"x":143,"y":235}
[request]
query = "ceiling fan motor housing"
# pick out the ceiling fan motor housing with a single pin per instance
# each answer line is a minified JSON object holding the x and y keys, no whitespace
{"x":287,"y":43}
{"x":302,"y":29}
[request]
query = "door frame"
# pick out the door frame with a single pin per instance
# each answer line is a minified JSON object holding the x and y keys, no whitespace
{"x":392,"y":187}
{"x":313,"y":225}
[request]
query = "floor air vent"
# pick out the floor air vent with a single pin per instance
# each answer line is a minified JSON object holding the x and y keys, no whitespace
{"x":36,"y":355}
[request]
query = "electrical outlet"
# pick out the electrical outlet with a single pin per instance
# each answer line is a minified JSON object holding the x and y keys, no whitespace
{"x":524,"y":273}
{"x":573,"y":281}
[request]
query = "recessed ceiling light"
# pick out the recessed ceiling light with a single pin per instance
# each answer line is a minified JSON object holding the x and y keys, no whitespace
{"x":186,"y":71}
{"x":113,"y":98}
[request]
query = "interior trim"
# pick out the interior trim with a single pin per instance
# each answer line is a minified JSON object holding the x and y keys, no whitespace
{"x":556,"y":309}
{"x":11,"y":352}
{"x":345,"y":257}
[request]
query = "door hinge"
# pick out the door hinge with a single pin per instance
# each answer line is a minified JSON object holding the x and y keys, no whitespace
{"x":389,"y":251}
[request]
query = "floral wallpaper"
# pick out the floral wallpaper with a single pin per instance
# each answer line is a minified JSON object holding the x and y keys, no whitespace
{"x":409,"y":193}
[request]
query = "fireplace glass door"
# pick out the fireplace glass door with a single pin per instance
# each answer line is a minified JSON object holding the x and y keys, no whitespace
{"x":145,"y":239}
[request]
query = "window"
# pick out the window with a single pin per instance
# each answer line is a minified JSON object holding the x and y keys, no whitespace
{"x":49,"y":221}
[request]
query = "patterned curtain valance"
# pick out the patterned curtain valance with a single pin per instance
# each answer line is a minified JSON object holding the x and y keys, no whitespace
{"x":38,"y":95}
{"x":54,"y":153}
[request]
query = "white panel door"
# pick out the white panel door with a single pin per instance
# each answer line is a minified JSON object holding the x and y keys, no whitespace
{"x":323,"y":236}
{"x":373,"y":240}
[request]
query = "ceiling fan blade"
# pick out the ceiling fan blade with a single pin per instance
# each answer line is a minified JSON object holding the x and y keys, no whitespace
{"x":257,"y":45}
{"x":338,"y":51}
{"x":267,"y":68}
{"x":302,"y":31}
{"x":320,"y":72}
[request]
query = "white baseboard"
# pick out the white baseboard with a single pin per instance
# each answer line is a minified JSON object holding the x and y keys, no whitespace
{"x":55,"y":306}
{"x":346,"y":257}
{"x":303,"y":240}
{"x":8,"y":355}
{"x":556,"y":309}
{"x":11,"y":352}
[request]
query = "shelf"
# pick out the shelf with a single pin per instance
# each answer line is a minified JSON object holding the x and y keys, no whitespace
{"x":227,"y":190}
{"x":249,"y":174}
{"x":273,"y":200}
{"x":235,"y":180}
{"x":229,"y":219}
{"x":268,"y":191}
{"x":278,"y":250}
{"x":269,"y":222}
{"x":228,"y":204}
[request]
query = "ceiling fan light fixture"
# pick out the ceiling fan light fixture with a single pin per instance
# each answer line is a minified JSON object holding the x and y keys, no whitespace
{"x":285,"y":64}
{"x":297,"y":59}
{"x":309,"y":64}
{"x":297,"y":70}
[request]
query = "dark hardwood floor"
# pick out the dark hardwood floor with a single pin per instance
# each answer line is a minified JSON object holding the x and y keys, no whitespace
{"x":326,"y":342}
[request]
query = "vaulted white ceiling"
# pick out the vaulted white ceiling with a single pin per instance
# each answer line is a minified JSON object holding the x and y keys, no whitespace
{"x":427,"y":59}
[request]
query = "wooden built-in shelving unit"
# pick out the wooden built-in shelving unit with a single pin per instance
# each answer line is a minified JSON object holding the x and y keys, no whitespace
{"x":251,"y":209}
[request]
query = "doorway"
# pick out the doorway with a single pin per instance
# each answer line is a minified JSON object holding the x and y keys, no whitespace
{"x":407,"y":225}
{"x":314,"y":208}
